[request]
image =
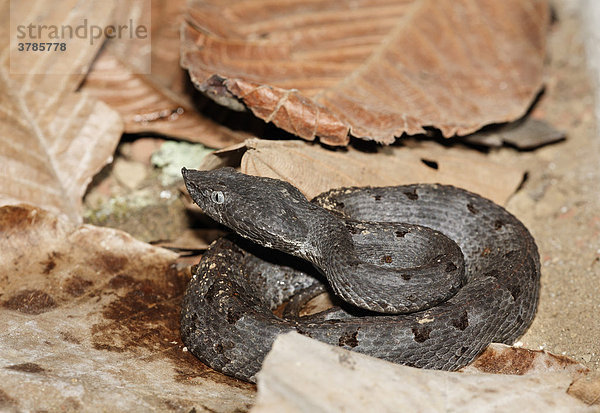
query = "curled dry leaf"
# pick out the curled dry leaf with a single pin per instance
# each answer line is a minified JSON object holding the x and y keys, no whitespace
{"x":527,"y":134}
{"x":302,"y":374}
{"x":314,"y":169}
{"x":52,"y":140}
{"x":158,"y":101}
{"x":89,"y":318}
{"x":374,"y":68}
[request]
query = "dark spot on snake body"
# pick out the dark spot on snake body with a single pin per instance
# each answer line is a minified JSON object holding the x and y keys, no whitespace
{"x":412,"y":195}
{"x":498,"y":224}
{"x":401,"y":233}
{"x":493,"y":273}
{"x":472,"y":208}
{"x":515,"y":290}
{"x":30,"y":302}
{"x":421,"y":333}
{"x":450,"y":267}
{"x":220,"y":348}
{"x":348,"y":339}
{"x":377,"y":197}
{"x":463,"y":350}
{"x":233,"y":316}
{"x":387,"y":259}
{"x":511,"y":254}
{"x":462,"y":322}
{"x":406,"y":276}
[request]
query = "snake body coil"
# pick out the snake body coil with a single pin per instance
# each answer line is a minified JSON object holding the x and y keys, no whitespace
{"x":430,"y":274}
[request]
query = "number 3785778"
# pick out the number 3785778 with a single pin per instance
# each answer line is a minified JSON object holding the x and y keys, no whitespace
{"x":42,"y":47}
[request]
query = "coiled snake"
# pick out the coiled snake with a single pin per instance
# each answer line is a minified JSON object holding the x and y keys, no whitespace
{"x":430,"y":274}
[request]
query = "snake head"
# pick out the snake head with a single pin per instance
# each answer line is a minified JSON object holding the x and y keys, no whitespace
{"x":265,"y":210}
{"x":211,"y":190}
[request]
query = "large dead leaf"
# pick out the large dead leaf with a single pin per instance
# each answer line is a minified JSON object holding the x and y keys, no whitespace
{"x":373,"y":68}
{"x":52,"y":140}
{"x":302,"y":374}
{"x":313,"y":169}
{"x":156,"y":102}
{"x":89,"y":320}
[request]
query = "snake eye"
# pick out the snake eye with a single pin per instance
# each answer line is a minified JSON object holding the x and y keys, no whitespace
{"x":217,"y":197}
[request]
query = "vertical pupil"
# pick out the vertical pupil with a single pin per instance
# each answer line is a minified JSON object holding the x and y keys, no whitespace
{"x":217,"y":197}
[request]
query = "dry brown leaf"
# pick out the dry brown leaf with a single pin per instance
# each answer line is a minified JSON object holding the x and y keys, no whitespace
{"x":373,"y":68}
{"x":89,"y":319}
{"x":50,"y":154}
{"x":52,"y":140}
{"x":587,"y":389}
{"x":502,"y":359}
{"x":44,"y":72}
{"x":156,"y":102}
{"x":313,"y":169}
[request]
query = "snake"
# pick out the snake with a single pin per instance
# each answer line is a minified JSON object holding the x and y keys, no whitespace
{"x":424,"y":275}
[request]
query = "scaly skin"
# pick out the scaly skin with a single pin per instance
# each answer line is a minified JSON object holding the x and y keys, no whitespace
{"x":227,"y":320}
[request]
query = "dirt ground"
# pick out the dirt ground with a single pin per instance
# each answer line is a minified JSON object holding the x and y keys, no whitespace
{"x":560,"y":202}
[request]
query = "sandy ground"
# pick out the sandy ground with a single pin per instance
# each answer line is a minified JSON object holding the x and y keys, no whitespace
{"x":560,"y":200}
